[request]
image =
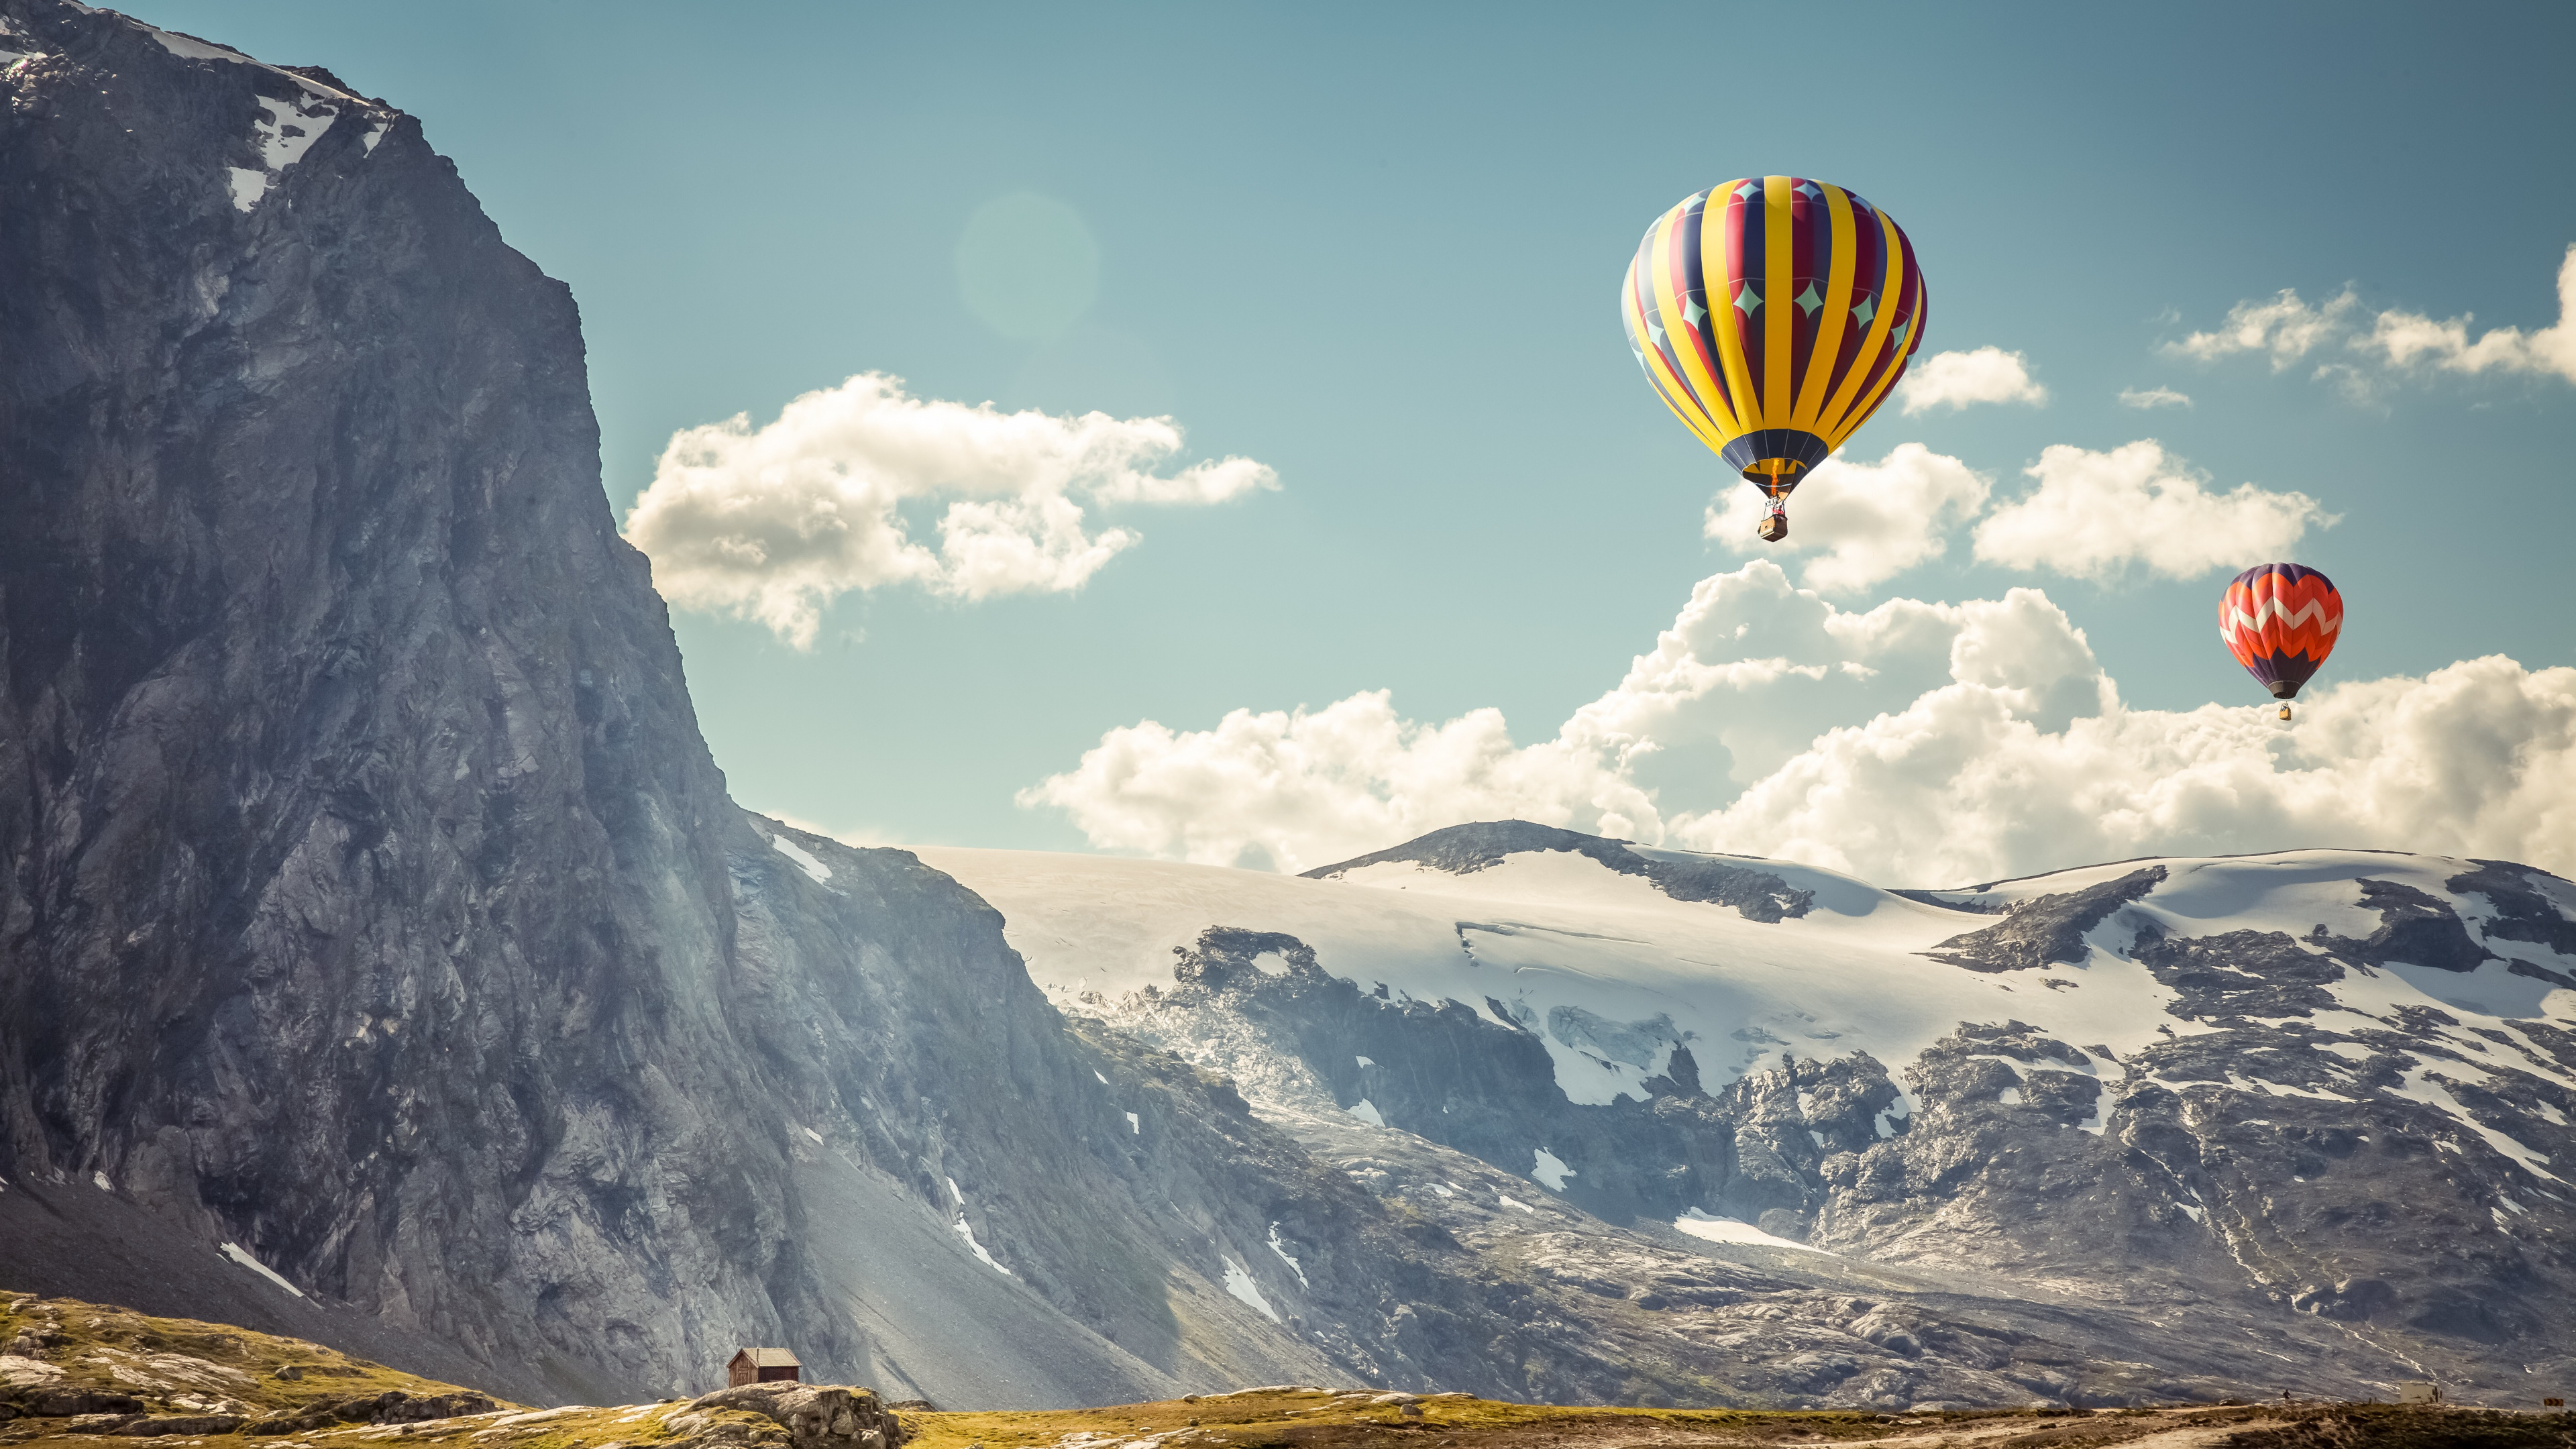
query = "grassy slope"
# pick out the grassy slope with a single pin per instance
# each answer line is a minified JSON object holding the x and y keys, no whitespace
{"x":181,"y":1366}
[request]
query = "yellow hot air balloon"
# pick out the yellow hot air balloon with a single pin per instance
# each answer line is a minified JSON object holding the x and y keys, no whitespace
{"x":1773,"y":314}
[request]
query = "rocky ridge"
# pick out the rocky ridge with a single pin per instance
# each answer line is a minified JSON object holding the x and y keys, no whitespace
{"x":2159,"y":1129}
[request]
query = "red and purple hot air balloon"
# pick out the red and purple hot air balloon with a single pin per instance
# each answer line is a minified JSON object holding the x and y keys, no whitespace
{"x":2281,"y":620}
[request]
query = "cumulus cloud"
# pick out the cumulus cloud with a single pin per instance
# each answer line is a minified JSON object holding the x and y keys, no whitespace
{"x":1910,"y":743}
{"x":2285,"y":327}
{"x":2477,"y":758}
{"x":1864,"y":522}
{"x":773,"y":523}
{"x":1295,"y":790}
{"x":2406,"y":339}
{"x":2096,"y":515}
{"x":2153,"y":397}
{"x":1957,"y":379}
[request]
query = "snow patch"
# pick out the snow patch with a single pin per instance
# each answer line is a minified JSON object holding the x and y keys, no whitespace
{"x":810,"y":1132}
{"x":1239,"y":1283}
{"x":234,"y":1251}
{"x":99,"y":1181}
{"x":966,"y":1231}
{"x":1281,"y":1249}
{"x":1135,"y":1126}
{"x":1549,"y":1171}
{"x":2419,"y":1086}
{"x":1366,"y":1111}
{"x":189,"y":48}
{"x":289,"y":131}
{"x":1510,"y":1201}
{"x":1729,"y":1230}
{"x":1104,"y":1081}
{"x":1364,"y":1061}
{"x":804,"y":859}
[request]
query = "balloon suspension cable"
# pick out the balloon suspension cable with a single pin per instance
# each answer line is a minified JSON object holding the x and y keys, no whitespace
{"x":1775,"y":518}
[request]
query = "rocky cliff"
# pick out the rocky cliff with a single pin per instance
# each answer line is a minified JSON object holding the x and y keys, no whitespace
{"x":380,"y":957}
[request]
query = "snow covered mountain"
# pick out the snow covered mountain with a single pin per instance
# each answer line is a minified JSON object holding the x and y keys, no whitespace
{"x":2311,"y":1108}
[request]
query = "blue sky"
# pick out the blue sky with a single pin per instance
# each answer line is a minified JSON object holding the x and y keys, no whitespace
{"x":1375,"y":248}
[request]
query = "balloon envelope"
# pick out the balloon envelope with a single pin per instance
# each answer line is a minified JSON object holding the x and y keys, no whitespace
{"x":2281,"y":620}
{"x":1773,"y":314}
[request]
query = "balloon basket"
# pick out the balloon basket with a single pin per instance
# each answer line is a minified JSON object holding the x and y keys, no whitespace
{"x":1775,"y":527}
{"x":2285,"y":711}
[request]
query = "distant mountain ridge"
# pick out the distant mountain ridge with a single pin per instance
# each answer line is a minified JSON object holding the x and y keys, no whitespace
{"x":1684,"y":876}
{"x":2231,"y":1092}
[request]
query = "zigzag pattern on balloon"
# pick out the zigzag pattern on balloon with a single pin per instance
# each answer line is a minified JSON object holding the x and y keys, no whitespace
{"x":2274,"y":608}
{"x":2281,"y":621}
{"x":2326,"y":614}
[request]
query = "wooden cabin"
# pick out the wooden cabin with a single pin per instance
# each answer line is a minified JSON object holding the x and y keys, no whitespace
{"x":762,"y":1365}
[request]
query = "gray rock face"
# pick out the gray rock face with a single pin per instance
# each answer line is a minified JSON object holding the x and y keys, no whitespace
{"x":2046,"y":930}
{"x":372,"y":911}
{"x":360,"y":848}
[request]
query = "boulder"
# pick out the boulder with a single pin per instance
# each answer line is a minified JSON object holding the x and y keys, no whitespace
{"x":180,"y":1424}
{"x":816,"y":1416}
{"x":391,"y":1407}
{"x":65,"y":1403}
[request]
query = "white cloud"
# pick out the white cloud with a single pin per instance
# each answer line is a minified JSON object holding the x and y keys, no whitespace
{"x":1958,"y":379}
{"x":2404,"y":339}
{"x":2153,"y":397}
{"x":1911,"y":743}
{"x":2397,"y":341}
{"x":2095,"y":515}
{"x":774,"y":523}
{"x":2285,"y":327}
{"x":1296,"y":790}
{"x":1865,"y":522}
{"x":2477,"y":758}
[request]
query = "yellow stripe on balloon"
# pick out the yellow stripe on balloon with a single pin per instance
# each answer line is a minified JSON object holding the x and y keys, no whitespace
{"x":1779,"y":389}
{"x":1834,"y":316}
{"x":1895,"y":365}
{"x":1730,"y":341}
{"x":1838,"y":418}
{"x":1677,"y":395}
{"x":1668,"y":295}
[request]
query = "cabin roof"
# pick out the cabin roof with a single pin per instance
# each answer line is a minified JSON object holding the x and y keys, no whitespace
{"x":769,"y":1358}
